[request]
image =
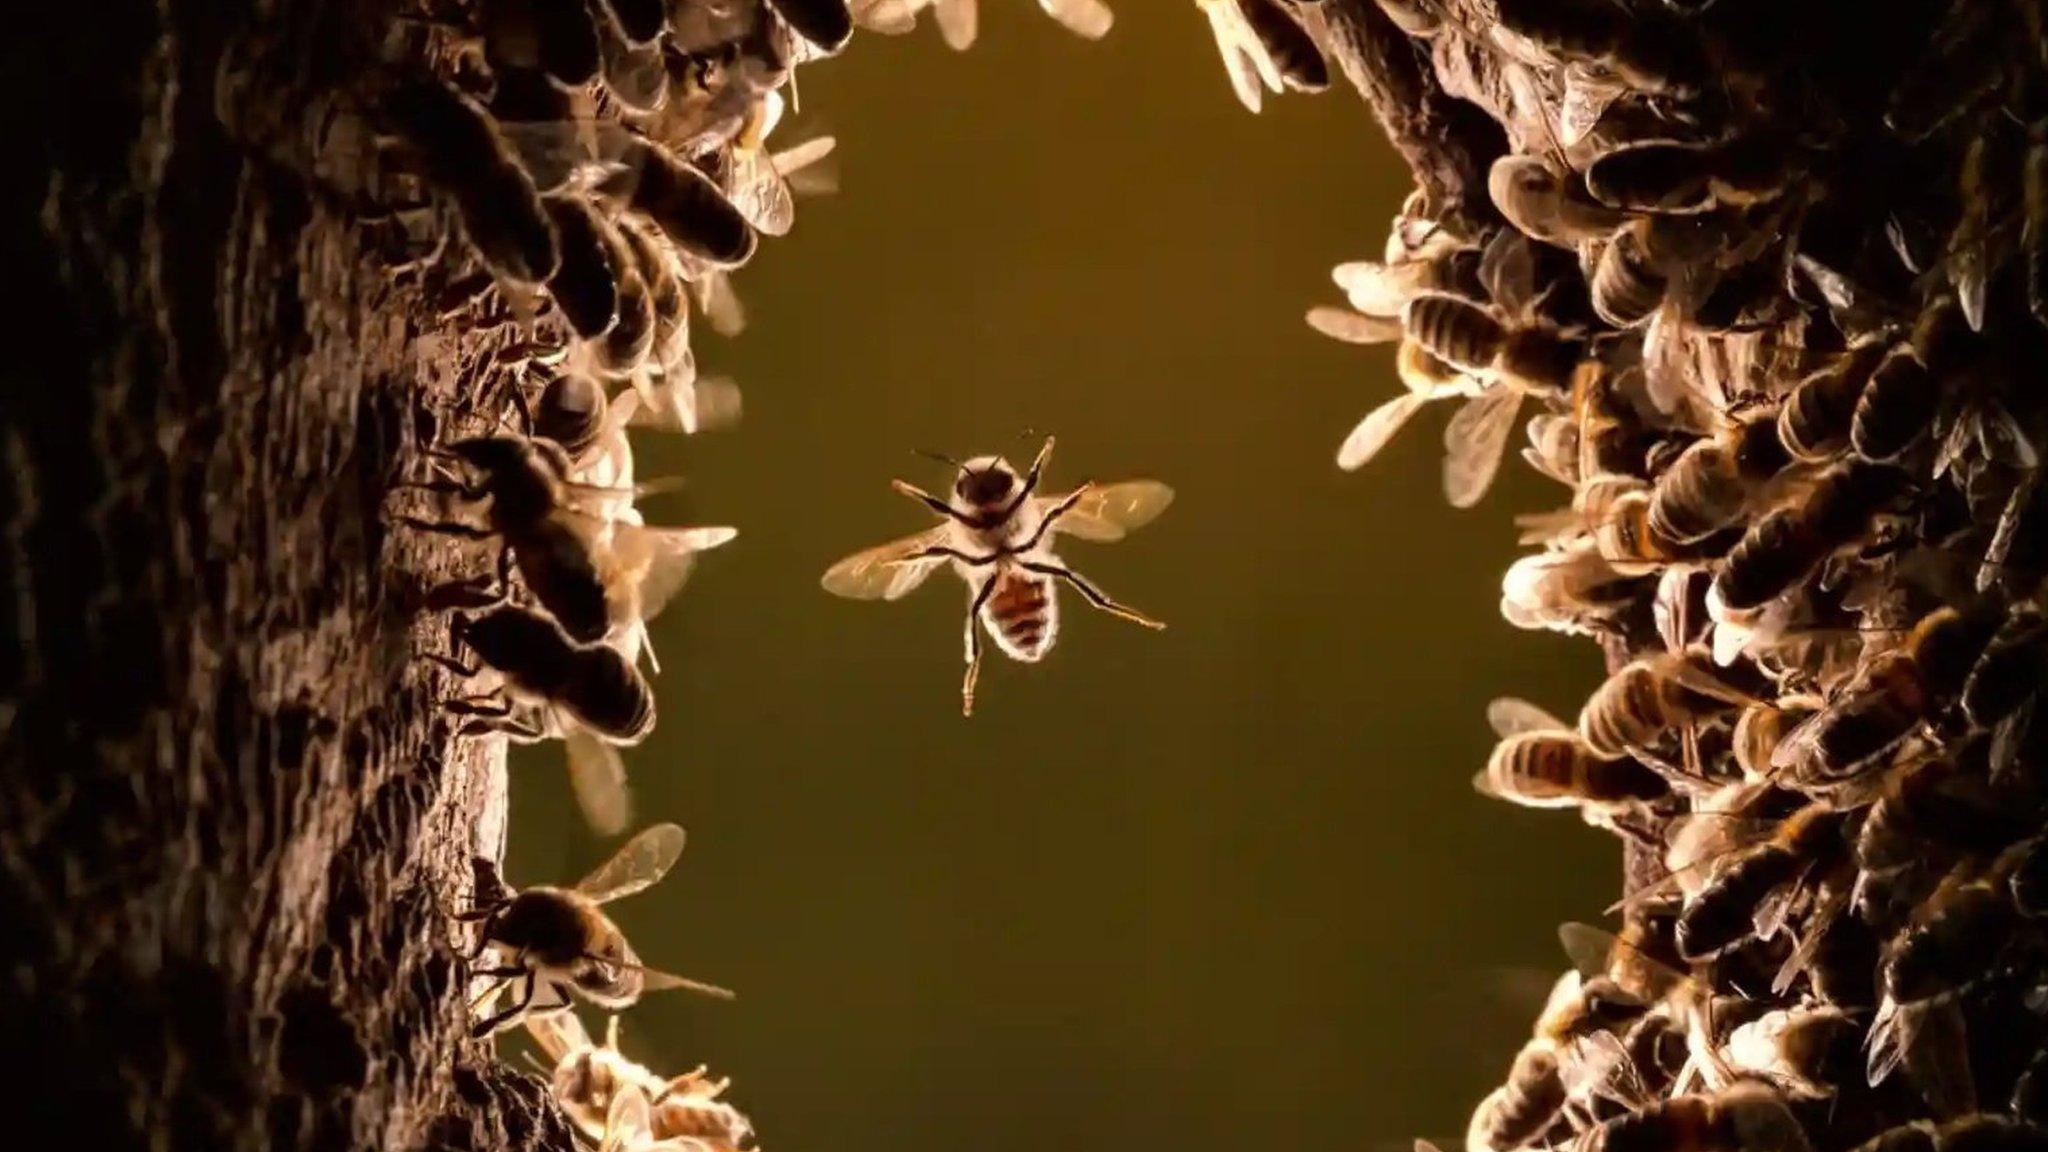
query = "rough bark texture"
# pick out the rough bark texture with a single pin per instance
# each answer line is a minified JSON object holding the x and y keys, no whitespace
{"x":234,"y":815}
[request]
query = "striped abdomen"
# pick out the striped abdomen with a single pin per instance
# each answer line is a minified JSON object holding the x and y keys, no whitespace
{"x":1021,"y":615}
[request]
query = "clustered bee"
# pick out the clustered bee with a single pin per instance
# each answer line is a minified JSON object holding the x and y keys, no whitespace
{"x":573,"y":179}
{"x":1801,"y":435}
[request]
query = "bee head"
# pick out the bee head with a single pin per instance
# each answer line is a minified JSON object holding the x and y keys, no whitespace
{"x":985,"y":481}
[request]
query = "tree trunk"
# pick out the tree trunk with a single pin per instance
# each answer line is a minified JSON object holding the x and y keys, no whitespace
{"x":235,"y":815}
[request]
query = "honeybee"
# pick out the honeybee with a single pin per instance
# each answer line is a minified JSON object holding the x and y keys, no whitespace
{"x":1627,"y":52}
{"x":998,"y":536}
{"x":1522,"y":1108}
{"x":1541,"y":762}
{"x":1815,"y":419}
{"x":1570,"y":1055}
{"x":1631,"y":711}
{"x":759,"y":182}
{"x":458,"y":148}
{"x":2011,"y":670}
{"x":552,"y":942}
{"x":571,"y":411}
{"x":1891,"y":696}
{"x":584,"y":1077}
{"x":1425,"y":378}
{"x":585,"y":284}
{"x":1752,"y":892}
{"x":1262,"y":44}
{"x":1787,"y":544}
{"x":553,"y":37}
{"x":1762,"y":726}
{"x":1627,"y":284}
{"x":1711,"y":483}
{"x":1898,"y":403}
{"x":1545,"y":204}
{"x":1574,"y":591}
{"x":1747,"y":1116}
{"x":959,"y":21}
{"x":1802,"y":1052}
{"x":1681,"y":177}
{"x":1506,"y":351}
{"x":593,"y":698}
{"x":687,"y":205}
{"x":828,"y":24}
{"x":1980,"y":1132}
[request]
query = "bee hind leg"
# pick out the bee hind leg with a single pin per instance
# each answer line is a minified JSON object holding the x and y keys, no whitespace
{"x":1095,"y":595}
{"x":1030,"y":484}
{"x":492,"y":1024}
{"x":973,"y":639}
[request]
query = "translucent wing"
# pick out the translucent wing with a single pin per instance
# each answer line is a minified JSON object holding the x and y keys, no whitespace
{"x":719,"y":303}
{"x":804,"y":169}
{"x":1353,"y":327}
{"x":626,"y":1124}
{"x":660,"y":559}
{"x":958,"y":22}
{"x":1238,"y":64}
{"x":761,"y":194}
{"x":597,"y":775}
{"x":1378,"y":427}
{"x":884,"y":572}
{"x":1586,"y":100}
{"x":1378,"y":289}
{"x":1512,"y":716}
{"x":557,"y":1033}
{"x":1508,"y":270}
{"x":654,"y":980}
{"x":1476,"y":440}
{"x":637,"y":864}
{"x":1590,"y":949}
{"x":1938,"y":1058}
{"x":1086,"y":18}
{"x":889,"y":17}
{"x":1109,"y":511}
{"x":686,"y":403}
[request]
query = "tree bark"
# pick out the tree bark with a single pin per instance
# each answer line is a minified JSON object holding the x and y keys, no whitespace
{"x":234,"y":815}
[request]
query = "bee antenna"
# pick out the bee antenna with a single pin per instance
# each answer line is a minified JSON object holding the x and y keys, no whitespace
{"x":941,"y":457}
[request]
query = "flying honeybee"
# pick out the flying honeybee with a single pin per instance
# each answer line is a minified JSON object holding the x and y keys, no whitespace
{"x":587,"y":1078}
{"x":552,"y":942}
{"x":998,"y":536}
{"x":1541,"y":762}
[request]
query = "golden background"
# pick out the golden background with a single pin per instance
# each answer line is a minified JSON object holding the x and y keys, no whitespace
{"x":1223,"y":884}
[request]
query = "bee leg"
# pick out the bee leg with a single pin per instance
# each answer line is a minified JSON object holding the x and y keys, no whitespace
{"x":1030,"y":484}
{"x":928,"y":500}
{"x":492,"y":706}
{"x":474,"y":592}
{"x":492,"y":1024}
{"x":451,"y":663}
{"x":1054,"y":513}
{"x":1095,"y":595}
{"x":988,"y":586}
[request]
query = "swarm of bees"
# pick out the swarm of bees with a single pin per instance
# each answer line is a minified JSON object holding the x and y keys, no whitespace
{"x":1772,"y":326}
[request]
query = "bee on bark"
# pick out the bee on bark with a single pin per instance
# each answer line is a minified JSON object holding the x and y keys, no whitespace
{"x":1546,"y":204}
{"x":592,"y":697}
{"x":687,"y":205}
{"x":1574,"y":591}
{"x":1815,"y":420}
{"x":1628,"y":284}
{"x":556,"y":38}
{"x":1750,"y":895}
{"x":1748,"y":1116}
{"x":1264,"y":47}
{"x":1898,"y":404}
{"x":1788,"y":544}
{"x":1506,"y":349}
{"x":1680,"y":177}
{"x":1979,"y":1132}
{"x":1710,"y":484}
{"x":555,"y":942}
{"x":1632,"y":711}
{"x":997,"y":536}
{"x":459,"y":150}
{"x":1890,"y":697}
{"x":585,"y":285}
{"x":1541,"y":762}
